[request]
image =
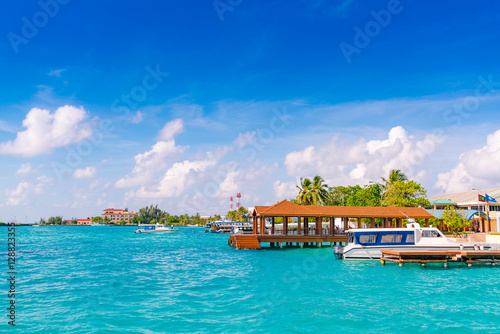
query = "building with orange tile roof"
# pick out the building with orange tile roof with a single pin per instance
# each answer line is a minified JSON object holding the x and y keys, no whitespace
{"x":116,"y":215}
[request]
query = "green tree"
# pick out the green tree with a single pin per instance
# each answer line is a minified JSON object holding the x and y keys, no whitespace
{"x":405,"y":194}
{"x":97,"y":219}
{"x":57,"y":220}
{"x":147,"y":214}
{"x":394,"y":176}
{"x":135,"y":220}
{"x":74,"y":221}
{"x":237,"y":215}
{"x":106,"y":220}
{"x":42,"y":221}
{"x":313,"y":192}
{"x":454,"y":221}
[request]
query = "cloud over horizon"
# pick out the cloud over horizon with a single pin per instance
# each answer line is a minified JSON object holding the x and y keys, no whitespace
{"x":46,"y":131}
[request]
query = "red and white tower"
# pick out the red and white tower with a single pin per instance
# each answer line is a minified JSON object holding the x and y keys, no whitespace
{"x":231,"y":203}
{"x":238,"y":200}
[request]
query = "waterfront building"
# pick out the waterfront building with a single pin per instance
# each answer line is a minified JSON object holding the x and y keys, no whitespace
{"x":483,"y":214}
{"x":84,"y":222}
{"x":116,"y":215}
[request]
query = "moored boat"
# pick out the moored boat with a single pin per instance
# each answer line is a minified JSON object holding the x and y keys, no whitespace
{"x":156,"y":228}
{"x":367,"y":243}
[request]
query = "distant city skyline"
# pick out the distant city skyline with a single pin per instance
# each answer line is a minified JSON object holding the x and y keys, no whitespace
{"x":185,"y":104}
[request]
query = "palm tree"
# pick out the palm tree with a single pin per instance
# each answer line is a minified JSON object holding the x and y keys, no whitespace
{"x":312,"y":192}
{"x":394,"y":176}
{"x":319,"y":190}
{"x":304,"y":196}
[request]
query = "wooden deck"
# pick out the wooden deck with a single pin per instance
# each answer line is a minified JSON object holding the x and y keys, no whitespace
{"x":441,"y":256}
{"x":252,"y":241}
{"x":244,"y":241}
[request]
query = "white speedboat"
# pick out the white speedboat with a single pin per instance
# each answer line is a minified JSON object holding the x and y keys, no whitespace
{"x":156,"y":228}
{"x":367,"y":243}
{"x":97,"y":224}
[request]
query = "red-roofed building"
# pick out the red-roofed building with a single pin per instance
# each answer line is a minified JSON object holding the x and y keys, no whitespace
{"x":116,"y":215}
{"x":84,"y":221}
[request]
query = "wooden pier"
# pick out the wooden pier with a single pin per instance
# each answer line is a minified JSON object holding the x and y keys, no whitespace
{"x":289,"y":224}
{"x":441,"y":256}
{"x":253,"y":241}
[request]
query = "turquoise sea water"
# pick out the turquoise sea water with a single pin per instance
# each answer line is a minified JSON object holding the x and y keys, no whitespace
{"x":110,"y":280}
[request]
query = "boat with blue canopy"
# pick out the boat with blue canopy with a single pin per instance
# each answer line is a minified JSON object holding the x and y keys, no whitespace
{"x":156,"y":228}
{"x":367,"y":243}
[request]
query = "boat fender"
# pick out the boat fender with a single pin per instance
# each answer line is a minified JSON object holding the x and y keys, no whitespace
{"x":461,"y":247}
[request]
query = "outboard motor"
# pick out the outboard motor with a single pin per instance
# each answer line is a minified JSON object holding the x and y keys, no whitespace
{"x":339,"y":252}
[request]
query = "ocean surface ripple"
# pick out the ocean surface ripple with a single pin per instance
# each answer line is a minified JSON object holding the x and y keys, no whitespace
{"x":110,"y":280}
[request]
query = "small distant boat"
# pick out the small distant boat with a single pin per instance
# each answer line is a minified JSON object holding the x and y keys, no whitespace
{"x":156,"y":228}
{"x":98,"y":224}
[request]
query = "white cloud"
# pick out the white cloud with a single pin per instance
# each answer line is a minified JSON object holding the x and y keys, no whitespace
{"x":244,"y":138}
{"x":161,"y":155}
{"x":46,"y":131}
{"x":475,"y":169}
{"x":42,"y":182}
{"x":342,"y":163}
{"x":19,"y":195}
{"x":56,"y":73}
{"x":170,"y":130}
{"x":24,"y":169}
{"x":87,"y":173}
{"x":285,"y":190}
{"x":177,"y":179}
{"x":137,"y":118}
{"x":16,"y":196}
{"x":241,"y":179}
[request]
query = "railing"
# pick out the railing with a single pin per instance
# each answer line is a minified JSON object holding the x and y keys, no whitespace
{"x":311,"y":232}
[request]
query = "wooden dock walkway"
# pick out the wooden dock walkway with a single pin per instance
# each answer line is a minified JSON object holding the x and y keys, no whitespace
{"x":441,"y":256}
{"x":253,"y":241}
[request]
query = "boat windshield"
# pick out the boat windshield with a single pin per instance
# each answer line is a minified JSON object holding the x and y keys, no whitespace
{"x":379,"y":238}
{"x":430,"y":234}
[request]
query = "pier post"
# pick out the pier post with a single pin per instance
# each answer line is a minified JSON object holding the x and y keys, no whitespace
{"x":299,"y":227}
{"x":285,"y":225}
{"x":281,"y":245}
{"x":332,"y":226}
{"x":272,"y":225}
{"x":301,"y":244}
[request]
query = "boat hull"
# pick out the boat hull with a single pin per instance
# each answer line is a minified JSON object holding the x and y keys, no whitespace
{"x":373,"y":253}
{"x":163,"y":231}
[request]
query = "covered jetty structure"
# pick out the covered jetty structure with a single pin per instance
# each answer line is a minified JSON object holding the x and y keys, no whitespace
{"x":290,"y":224}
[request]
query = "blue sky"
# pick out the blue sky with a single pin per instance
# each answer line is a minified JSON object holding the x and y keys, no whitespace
{"x":124,"y":104}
